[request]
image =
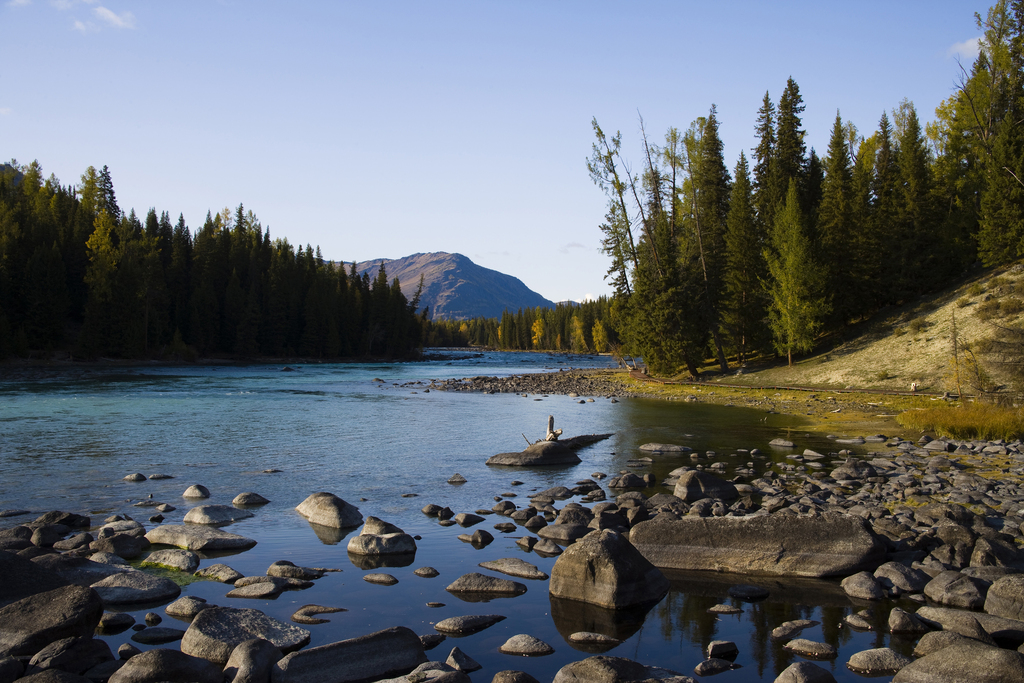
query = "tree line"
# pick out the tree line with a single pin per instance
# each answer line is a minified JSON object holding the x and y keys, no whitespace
{"x":77,"y":273}
{"x":789,"y":246}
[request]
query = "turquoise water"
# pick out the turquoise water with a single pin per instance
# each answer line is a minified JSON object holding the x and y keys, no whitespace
{"x":67,"y":437}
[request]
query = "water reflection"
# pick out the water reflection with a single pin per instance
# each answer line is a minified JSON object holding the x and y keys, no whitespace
{"x":573,"y":616}
{"x":329,"y":535}
{"x":379,"y":561}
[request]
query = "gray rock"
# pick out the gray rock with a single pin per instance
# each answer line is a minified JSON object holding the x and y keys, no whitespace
{"x":215,"y":515}
{"x":895,"y":575}
{"x":249,"y":499}
{"x":513,"y":566}
{"x":126,"y":651}
{"x":460,"y":661}
{"x":933,"y":641}
{"x":304,"y":615}
{"x":385,"y":544}
{"x":380,"y":579}
{"x":564,"y":534}
{"x":180,"y":560}
{"x":187,"y":607}
{"x":811,"y":649}
{"x":695,"y":485}
{"x":977,"y":625}
{"x":378,"y":527}
{"x":431,"y":672}
{"x":468,"y":624}
{"x":456,"y":479}
{"x":266,"y":586}
{"x":11,"y":669}
{"x":115,"y":622}
{"x":877,"y":661}
{"x":426,"y":572}
{"x":219,"y":572}
{"x":953,"y":589}
{"x":714,"y":665}
{"x":326,"y":509}
{"x":805,"y":672}
{"x":475,"y":582}
{"x":825,"y":545}
{"x":603,"y":669}
{"x":513,"y":676}
{"x":135,"y":477}
{"x":199,"y":538}
{"x":747,"y":592}
{"x":966,"y":661}
{"x":77,"y":570}
{"x":542,"y":453}
{"x":252,"y":661}
{"x":370,"y":657}
{"x":111,"y":559}
{"x":787,"y":630}
{"x":664,"y":448}
{"x":901,"y":621}
{"x":22,"y":578}
{"x":593,"y":638}
{"x":465,"y":519}
{"x":1005,"y":597}
{"x":781,"y":443}
{"x":863,"y":586}
{"x":74,"y":655}
{"x":603,"y":568}
{"x":196,"y":491}
{"x":216,"y":631}
{"x":126,"y":545}
{"x":722,"y":649}
{"x":135,"y":587}
{"x":288,"y":570}
{"x":157,"y":666}
{"x":29,"y":624}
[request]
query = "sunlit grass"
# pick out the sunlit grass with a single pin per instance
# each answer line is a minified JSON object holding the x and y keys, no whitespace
{"x":974,"y":421}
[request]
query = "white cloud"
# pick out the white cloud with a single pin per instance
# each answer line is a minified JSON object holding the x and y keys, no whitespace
{"x":125,"y":20}
{"x":18,"y":3}
{"x":589,"y":297}
{"x":85,"y":27}
{"x":967,"y":51}
{"x":4,"y":111}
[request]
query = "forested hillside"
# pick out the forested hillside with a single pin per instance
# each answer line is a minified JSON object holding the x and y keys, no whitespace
{"x":790,"y":245}
{"x":78,"y":274}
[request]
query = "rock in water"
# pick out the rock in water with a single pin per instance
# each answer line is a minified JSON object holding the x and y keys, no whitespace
{"x":542,"y":453}
{"x":476,"y":582}
{"x":967,"y":661}
{"x":30,"y":624}
{"x":385,"y":653}
{"x":805,"y":672}
{"x":381,"y":538}
{"x":694,"y":485}
{"x":326,"y":509}
{"x":167,"y":665}
{"x":827,"y":545}
{"x":201,"y":538}
{"x":603,"y":669}
{"x":216,"y":631}
{"x":135,"y":587}
{"x":603,"y":568}
{"x":215,"y":514}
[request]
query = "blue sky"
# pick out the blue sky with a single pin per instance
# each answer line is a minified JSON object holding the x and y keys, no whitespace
{"x":382,"y":129}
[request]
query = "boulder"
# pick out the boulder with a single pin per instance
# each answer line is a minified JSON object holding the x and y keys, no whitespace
{"x":1001,"y":629}
{"x":811,"y":649}
{"x":215,"y":515}
{"x":475,"y":582}
{"x":877,"y":661}
{"x":289,"y":570}
{"x":805,"y":672}
{"x":541,"y":453}
{"x":252,"y":661}
{"x":23,"y":577}
{"x":199,"y":538}
{"x":384,"y":544}
{"x":326,"y":509}
{"x":216,"y":631}
{"x":788,"y":629}
{"x":74,"y":655}
{"x":219,"y":572}
{"x":895,"y":575}
{"x":695,"y":485}
{"x":179,"y":560}
{"x":135,"y":587}
{"x":156,"y":666}
{"x":603,"y":669}
{"x":966,"y":661}
{"x":1006,"y":597}
{"x":460,"y":661}
{"x":787,"y":545}
{"x":77,"y":570}
{"x":126,"y":545}
{"x":196,"y":491}
{"x":603,"y":568}
{"x":901,"y":621}
{"x":158,"y":635}
{"x":863,"y":586}
{"x":526,"y":646}
{"x":249,"y":499}
{"x":434,"y":672}
{"x":187,"y":607}
{"x":464,"y":626}
{"x":513,"y":566}
{"x":378,"y":655}
{"x":953,"y":589}
{"x":564,"y":534}
{"x":30,"y":624}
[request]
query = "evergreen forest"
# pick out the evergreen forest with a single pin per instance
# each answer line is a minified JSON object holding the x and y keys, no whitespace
{"x":77,"y":273}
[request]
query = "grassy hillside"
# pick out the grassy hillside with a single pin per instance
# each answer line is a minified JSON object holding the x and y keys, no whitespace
{"x":911,"y":343}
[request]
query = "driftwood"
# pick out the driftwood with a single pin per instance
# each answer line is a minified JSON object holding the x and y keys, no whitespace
{"x":553,"y":433}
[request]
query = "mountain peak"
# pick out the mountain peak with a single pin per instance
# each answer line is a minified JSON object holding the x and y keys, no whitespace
{"x":455,"y":288}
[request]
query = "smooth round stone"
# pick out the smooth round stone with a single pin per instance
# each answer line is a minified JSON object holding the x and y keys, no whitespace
{"x":198,"y":537}
{"x":811,"y":649}
{"x":249,"y":498}
{"x":158,"y":635}
{"x":135,"y":477}
{"x":426,"y":572}
{"x":219,"y":572}
{"x":127,"y":651}
{"x":724,"y":609}
{"x":859,"y":622}
{"x":288,"y":570}
{"x":113,"y":622}
{"x":881,"y":660}
{"x":215,"y":514}
{"x":380,"y":579}
{"x":714,"y":665}
{"x":475,"y":582}
{"x":135,"y":587}
{"x":526,"y":645}
{"x":160,"y":477}
{"x":262,"y":589}
{"x":164,"y":507}
{"x":216,"y":631}
{"x":591,"y":637}
{"x":186,"y":607}
{"x":196,"y":491}
{"x":152,"y":618}
{"x":181,"y":560}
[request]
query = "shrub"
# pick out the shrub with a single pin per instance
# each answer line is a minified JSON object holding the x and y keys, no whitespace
{"x":917,"y":325}
{"x":1011,"y":306}
{"x":963,"y":302}
{"x":975,"y":289}
{"x":882,"y":375}
{"x":973,"y":421}
{"x":988,"y":309}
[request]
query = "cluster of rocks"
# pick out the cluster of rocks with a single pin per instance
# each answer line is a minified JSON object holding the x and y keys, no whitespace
{"x":573,"y":383}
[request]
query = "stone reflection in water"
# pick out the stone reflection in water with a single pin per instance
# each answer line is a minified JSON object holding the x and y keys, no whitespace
{"x":378,"y":561}
{"x":329,"y":535}
{"x":684,"y":612}
{"x":573,"y":616}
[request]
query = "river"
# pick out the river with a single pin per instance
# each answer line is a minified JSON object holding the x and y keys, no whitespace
{"x":377,"y":436}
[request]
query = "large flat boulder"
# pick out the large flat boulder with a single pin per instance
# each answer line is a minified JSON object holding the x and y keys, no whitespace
{"x":199,"y":538}
{"x":602,"y":669}
{"x":390,"y":652}
{"x":158,"y":665}
{"x":216,"y":631}
{"x":602,"y":568}
{"x":23,"y":577}
{"x":695,"y":485}
{"x":966,"y":661}
{"x":783,"y":545}
{"x":541,"y":453}
{"x":136,"y":588}
{"x":1005,"y":597}
{"x":326,"y":509}
{"x":30,"y":624}
{"x":215,"y":515}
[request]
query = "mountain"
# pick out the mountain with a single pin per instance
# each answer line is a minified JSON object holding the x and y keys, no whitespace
{"x":454,"y":287}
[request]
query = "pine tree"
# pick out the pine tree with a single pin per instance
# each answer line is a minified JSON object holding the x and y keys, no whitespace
{"x":790,"y":150}
{"x":834,"y":225}
{"x":744,"y":309}
{"x":797,"y":305}
{"x":764,"y":197}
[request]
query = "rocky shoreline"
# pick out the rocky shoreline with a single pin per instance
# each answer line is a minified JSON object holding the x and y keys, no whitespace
{"x":931,"y":530}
